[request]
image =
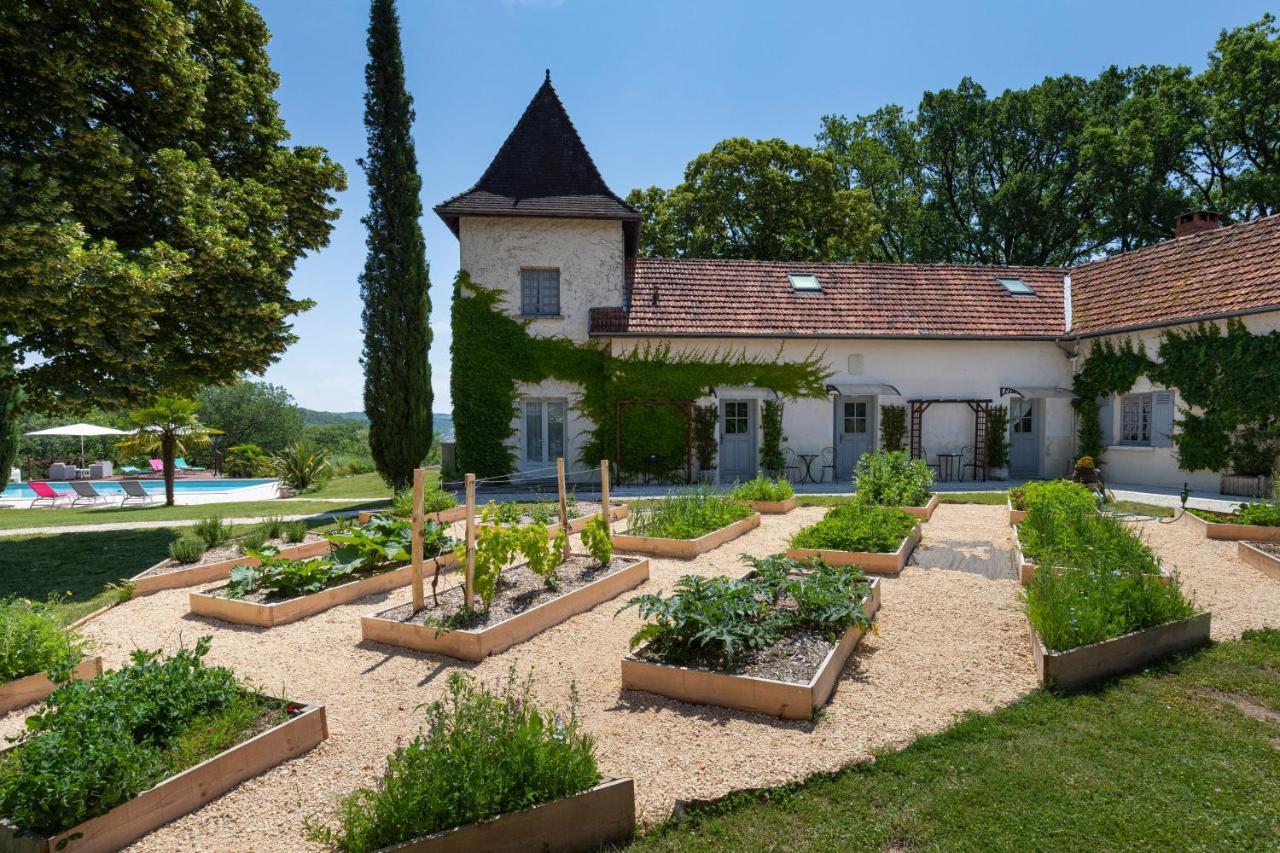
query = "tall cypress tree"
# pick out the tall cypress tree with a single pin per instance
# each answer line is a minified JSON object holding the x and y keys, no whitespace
{"x":397,"y":336}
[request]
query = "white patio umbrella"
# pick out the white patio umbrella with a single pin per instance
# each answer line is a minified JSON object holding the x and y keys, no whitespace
{"x":81,"y":430}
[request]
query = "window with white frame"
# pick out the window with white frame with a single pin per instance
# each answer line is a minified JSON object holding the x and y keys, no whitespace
{"x":543,"y":431}
{"x":540,"y":293}
{"x":1135,"y":419}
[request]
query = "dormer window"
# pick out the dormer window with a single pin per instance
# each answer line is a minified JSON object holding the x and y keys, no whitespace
{"x":804,"y":281}
{"x":1016,"y":286}
{"x":540,"y":293}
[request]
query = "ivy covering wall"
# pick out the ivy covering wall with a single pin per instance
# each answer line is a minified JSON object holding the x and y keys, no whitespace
{"x":1227,"y":374}
{"x":491,"y":352}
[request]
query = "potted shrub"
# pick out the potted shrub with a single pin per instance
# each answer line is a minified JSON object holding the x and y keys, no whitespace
{"x":491,"y":770}
{"x":751,"y":643}
{"x":765,"y":495}
{"x":109,"y":760}
{"x":875,"y":539}
{"x":891,"y":478}
{"x":686,"y":523}
{"x":517,"y":602}
{"x":1086,"y":472}
{"x":37,"y":653}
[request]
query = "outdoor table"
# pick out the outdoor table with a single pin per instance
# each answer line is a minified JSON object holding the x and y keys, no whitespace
{"x":807,"y":459}
{"x":948,"y":465}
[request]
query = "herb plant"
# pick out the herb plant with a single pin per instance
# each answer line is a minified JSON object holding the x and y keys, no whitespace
{"x":712,"y":621}
{"x":595,"y":536}
{"x":892,"y":478}
{"x":95,"y":745}
{"x":855,"y":527}
{"x":763,"y":489}
{"x":295,"y":532}
{"x":187,"y":548}
{"x":1264,"y":514}
{"x":687,"y":514}
{"x":253,"y":540}
{"x":483,"y":753}
{"x":212,"y":531}
{"x":32,"y":640}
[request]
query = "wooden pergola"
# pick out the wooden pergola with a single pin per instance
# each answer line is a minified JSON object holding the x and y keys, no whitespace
{"x":981,"y":414}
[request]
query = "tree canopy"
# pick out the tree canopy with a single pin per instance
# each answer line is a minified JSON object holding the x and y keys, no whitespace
{"x":252,"y":413}
{"x":151,"y":213}
{"x":1051,"y":174}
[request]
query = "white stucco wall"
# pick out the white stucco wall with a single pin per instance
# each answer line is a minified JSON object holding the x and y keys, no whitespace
{"x":1158,"y":466}
{"x":918,"y":369}
{"x":588,"y":253}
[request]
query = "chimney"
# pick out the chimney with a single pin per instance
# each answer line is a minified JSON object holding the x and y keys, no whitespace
{"x":1187,"y":224}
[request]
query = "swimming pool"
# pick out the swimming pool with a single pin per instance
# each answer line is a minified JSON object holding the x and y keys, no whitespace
{"x":111,"y":488}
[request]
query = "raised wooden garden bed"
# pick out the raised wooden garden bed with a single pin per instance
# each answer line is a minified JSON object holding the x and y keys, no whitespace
{"x":871,"y":562}
{"x":459,"y":513}
{"x":179,"y":794}
{"x":1261,"y":559}
{"x":1080,"y":667}
{"x":684,"y":549}
{"x":924,"y":513}
{"x":1027,"y":568}
{"x":599,"y":817}
{"x":1229,"y":531}
{"x":22,"y":692}
{"x":773,"y":507}
{"x":789,"y":700}
{"x":145,"y":583}
{"x":390,"y":626}
{"x":269,"y":614}
{"x":444,"y":516}
{"x":1016,"y":516}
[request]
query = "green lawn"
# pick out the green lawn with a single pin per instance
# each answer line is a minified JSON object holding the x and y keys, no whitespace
{"x":16,"y":518}
{"x":363,"y":486}
{"x":1186,"y":756}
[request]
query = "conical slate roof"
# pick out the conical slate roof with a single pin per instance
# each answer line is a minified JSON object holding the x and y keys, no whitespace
{"x":543,"y":169}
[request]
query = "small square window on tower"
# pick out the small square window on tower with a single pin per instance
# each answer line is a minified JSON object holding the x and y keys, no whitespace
{"x":540,"y":293}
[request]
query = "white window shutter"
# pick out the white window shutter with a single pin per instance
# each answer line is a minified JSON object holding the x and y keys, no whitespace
{"x":1162,"y":419}
{"x":1105,"y":419}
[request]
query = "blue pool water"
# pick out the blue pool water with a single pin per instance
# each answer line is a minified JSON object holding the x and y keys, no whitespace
{"x":20,"y":491}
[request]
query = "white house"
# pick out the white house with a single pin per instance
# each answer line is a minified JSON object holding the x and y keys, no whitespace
{"x":946,"y":341}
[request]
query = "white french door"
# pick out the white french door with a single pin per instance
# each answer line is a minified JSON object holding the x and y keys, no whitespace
{"x":543,"y":433}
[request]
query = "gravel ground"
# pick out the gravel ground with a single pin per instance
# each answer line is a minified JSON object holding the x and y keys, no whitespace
{"x":947,"y":642}
{"x":1239,"y":596}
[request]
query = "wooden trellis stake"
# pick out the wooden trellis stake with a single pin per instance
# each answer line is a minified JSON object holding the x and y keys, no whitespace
{"x":469,"y":587}
{"x":564,"y":503}
{"x":604,"y":497}
{"x":419,"y":481}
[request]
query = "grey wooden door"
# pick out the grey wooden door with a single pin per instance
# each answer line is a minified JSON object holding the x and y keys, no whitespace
{"x":855,"y":432}
{"x":1024,"y":437}
{"x":737,"y":440}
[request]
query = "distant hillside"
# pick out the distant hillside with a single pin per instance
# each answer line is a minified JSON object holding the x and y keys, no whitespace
{"x":441,"y":423}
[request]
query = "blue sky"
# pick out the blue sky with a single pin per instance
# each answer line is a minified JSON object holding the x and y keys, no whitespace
{"x":649,"y":85}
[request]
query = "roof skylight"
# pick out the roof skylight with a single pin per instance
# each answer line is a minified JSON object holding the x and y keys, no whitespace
{"x":1016,"y":286}
{"x":804,"y":281}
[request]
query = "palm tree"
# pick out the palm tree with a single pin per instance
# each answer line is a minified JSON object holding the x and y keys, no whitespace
{"x":169,"y":427}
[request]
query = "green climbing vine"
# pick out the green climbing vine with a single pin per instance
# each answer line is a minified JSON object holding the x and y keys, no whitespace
{"x":771,"y":437}
{"x":492,"y":352}
{"x":1228,"y":374}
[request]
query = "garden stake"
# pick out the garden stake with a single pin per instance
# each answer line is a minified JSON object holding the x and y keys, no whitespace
{"x":419,"y":475}
{"x":604,"y":497}
{"x":564,"y":505}
{"x":468,"y":588}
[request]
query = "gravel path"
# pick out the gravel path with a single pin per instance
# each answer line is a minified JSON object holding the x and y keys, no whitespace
{"x":1240,"y":596}
{"x":947,"y":642}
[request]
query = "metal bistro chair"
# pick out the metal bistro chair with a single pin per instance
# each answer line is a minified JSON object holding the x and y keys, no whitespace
{"x":790,"y":464}
{"x":828,"y":464}
{"x":967,"y":452}
{"x":935,"y":466}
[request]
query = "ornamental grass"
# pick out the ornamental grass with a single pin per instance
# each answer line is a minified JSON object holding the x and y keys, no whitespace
{"x":687,"y":514}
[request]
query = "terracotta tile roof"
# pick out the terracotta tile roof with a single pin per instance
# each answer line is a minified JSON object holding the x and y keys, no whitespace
{"x":1223,"y":271}
{"x":543,"y":169}
{"x":755,"y":298}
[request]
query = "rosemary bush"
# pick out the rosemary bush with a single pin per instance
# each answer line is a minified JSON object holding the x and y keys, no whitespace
{"x":854,"y":527}
{"x":212,"y":530}
{"x":712,"y":621}
{"x":687,"y":514}
{"x":187,"y":548}
{"x":484,"y":753}
{"x":763,"y":488}
{"x":892,"y":478}
{"x":32,"y":640}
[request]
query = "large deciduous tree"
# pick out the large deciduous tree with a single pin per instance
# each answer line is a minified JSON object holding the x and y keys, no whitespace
{"x":764,"y":199}
{"x":151,"y":213}
{"x":252,"y":413}
{"x":394,"y":284}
